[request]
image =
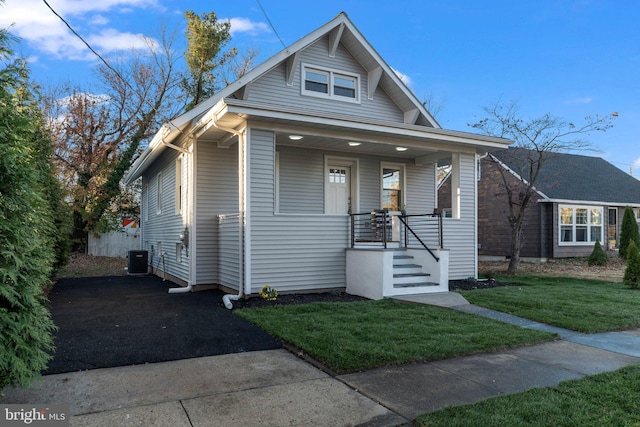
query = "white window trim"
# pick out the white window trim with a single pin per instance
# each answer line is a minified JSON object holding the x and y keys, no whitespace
{"x":354,"y":164}
{"x":159,"y":193}
{"x":403,"y":181}
{"x":589,"y":242}
{"x":332,"y":73}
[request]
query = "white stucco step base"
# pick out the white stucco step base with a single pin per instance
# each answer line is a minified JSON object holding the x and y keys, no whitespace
{"x":370,"y":272}
{"x":441,"y":299}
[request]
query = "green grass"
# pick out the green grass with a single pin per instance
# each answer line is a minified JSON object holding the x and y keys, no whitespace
{"x":361,"y":335}
{"x":577,"y":304}
{"x":609,"y":399}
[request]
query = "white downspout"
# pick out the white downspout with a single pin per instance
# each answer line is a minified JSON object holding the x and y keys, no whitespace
{"x":226,"y":299}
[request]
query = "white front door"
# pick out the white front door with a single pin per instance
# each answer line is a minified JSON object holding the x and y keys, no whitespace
{"x":338,"y":189}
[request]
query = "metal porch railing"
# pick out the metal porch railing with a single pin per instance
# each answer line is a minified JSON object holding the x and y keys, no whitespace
{"x":411,"y":231}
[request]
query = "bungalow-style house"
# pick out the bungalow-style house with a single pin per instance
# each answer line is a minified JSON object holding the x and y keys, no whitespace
{"x":579,"y":199}
{"x":316,"y":170}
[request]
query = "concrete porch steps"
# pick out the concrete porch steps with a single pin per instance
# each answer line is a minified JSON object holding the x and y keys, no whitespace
{"x":407,"y":274}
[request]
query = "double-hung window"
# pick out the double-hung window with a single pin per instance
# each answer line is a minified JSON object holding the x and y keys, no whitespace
{"x":580,"y":224}
{"x":326,"y":83}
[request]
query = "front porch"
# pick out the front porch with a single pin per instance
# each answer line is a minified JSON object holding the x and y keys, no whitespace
{"x":395,"y":254}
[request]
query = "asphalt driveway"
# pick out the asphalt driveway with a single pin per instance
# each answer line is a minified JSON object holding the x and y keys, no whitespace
{"x":127,"y":320}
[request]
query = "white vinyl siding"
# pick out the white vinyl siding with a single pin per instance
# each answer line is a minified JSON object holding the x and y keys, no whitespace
{"x":421,"y":189}
{"x":229,"y":250}
{"x":290,"y":252}
{"x":272,"y":88}
{"x":159,"y":193}
{"x":301,"y":181}
{"x":179,"y":199}
{"x":162,"y":230}
{"x":460,"y":233}
{"x":300,"y":248}
{"x":216,"y":194}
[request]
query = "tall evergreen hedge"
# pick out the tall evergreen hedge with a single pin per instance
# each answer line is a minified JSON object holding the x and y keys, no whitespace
{"x":632,"y":272}
{"x":32,"y":234}
{"x":628,"y":231}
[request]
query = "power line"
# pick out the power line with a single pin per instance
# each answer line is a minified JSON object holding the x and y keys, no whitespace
{"x":85,"y":42}
{"x":270,"y":24}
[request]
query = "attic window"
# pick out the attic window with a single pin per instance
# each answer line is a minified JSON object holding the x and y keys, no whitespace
{"x":326,"y":83}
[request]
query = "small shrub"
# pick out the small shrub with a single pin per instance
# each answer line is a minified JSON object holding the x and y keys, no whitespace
{"x":489,"y":275}
{"x":269,"y":293}
{"x":598,"y":256}
{"x":632,"y":272}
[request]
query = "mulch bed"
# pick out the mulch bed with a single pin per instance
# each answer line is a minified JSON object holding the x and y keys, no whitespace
{"x":289,"y":299}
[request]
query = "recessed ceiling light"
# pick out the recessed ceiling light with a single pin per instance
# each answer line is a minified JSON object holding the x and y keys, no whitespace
{"x":295,"y":137}
{"x":401,"y":148}
{"x":354,"y":143}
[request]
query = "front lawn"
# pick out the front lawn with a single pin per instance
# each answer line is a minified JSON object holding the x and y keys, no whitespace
{"x":609,"y":399}
{"x":577,"y":304}
{"x":354,"y":336}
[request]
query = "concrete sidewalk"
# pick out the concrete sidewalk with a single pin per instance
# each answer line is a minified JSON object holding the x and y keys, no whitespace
{"x":276,"y":388}
{"x":265,"y":388}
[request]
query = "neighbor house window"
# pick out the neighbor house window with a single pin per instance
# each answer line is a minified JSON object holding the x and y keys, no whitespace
{"x":332,"y":84}
{"x":580,"y":224}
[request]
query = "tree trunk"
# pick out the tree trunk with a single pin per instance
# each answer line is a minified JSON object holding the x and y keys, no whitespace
{"x":79,"y":234}
{"x":516,"y":245}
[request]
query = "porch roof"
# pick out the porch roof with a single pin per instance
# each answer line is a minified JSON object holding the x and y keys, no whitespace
{"x":321,"y":130}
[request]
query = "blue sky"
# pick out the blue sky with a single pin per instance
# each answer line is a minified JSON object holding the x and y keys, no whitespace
{"x":571,"y":58}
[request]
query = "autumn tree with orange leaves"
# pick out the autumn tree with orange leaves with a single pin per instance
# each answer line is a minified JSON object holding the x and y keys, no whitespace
{"x":96,"y":137}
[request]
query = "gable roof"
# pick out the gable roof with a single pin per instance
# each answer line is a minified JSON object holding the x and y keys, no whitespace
{"x":230,"y":104}
{"x":573,"y":177}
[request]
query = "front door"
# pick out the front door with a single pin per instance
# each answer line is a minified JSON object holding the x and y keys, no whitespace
{"x":338,"y":189}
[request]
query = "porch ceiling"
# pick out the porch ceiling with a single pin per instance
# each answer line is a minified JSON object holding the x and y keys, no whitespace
{"x":366,"y":147}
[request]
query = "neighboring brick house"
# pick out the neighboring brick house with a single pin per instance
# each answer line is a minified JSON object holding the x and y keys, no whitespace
{"x":579,"y":199}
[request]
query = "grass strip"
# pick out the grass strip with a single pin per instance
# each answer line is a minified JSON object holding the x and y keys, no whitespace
{"x":581,"y":305}
{"x":354,"y":336}
{"x":609,"y":399}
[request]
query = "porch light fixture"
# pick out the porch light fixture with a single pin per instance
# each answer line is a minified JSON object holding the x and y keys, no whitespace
{"x":295,"y":137}
{"x":401,"y":148}
{"x":354,"y":143}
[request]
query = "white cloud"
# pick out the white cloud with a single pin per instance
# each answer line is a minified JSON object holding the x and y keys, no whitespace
{"x":405,"y":78}
{"x":636,"y":163}
{"x":99,"y":20}
{"x":32,"y":21}
{"x":584,"y":100}
{"x":109,"y":40}
{"x":245,"y":25}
